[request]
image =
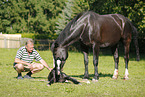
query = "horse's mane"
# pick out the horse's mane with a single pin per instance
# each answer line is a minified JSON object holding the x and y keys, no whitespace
{"x":66,"y":31}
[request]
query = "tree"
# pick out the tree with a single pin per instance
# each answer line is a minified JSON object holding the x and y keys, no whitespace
{"x":69,"y":12}
{"x":132,"y":9}
{"x":51,"y":16}
{"x":29,"y":16}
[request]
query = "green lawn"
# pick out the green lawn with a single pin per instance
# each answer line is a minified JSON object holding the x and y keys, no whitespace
{"x":106,"y":86}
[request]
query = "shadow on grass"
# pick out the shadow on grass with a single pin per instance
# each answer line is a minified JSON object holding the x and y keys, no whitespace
{"x":40,"y":77}
{"x":34,"y":77}
{"x":92,"y":75}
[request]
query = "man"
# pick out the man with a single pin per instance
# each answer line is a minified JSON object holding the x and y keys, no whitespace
{"x":24,"y":58}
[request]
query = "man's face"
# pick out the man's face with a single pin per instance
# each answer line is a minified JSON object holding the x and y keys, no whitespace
{"x":30,"y":47}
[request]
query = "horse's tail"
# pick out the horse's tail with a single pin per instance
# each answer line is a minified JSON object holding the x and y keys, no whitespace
{"x":135,"y":39}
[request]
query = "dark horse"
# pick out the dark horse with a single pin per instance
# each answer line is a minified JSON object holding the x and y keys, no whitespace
{"x":58,"y":76}
{"x":96,"y":31}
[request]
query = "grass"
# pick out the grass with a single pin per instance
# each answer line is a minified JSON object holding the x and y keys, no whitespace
{"x":106,"y":86}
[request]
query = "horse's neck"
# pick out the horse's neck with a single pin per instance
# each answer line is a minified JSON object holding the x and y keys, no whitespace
{"x":74,"y":35}
{"x":73,"y":31}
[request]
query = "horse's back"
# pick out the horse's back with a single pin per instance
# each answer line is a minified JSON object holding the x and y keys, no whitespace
{"x":105,"y":29}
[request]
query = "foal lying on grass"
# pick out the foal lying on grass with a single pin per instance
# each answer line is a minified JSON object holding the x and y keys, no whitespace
{"x":59,"y":76}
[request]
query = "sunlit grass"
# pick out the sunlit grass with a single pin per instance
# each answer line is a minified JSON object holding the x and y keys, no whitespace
{"x":106,"y":86}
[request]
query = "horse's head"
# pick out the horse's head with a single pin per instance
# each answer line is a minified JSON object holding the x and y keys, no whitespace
{"x":60,"y":54}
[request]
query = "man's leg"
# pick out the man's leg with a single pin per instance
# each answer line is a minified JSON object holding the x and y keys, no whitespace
{"x":19,"y":68}
{"x":22,"y":68}
{"x":36,"y":68}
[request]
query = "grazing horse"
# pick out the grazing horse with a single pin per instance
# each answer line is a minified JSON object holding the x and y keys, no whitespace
{"x":56,"y":75}
{"x":96,"y":31}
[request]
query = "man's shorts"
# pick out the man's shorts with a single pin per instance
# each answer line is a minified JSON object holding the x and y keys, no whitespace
{"x":25,"y":67}
{"x":34,"y":65}
{"x":14,"y":65}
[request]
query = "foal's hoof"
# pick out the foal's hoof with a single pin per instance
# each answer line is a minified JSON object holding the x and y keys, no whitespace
{"x":79,"y":84}
{"x":85,"y":79}
{"x":94,"y":80}
{"x":48,"y":85}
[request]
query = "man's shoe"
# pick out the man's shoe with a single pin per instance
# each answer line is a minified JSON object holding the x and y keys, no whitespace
{"x":19,"y":77}
{"x":28,"y":77}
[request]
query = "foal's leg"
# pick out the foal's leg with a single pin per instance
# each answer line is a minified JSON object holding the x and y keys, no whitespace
{"x":95,"y":61}
{"x":116,"y":59}
{"x":69,"y":78}
{"x":51,"y":78}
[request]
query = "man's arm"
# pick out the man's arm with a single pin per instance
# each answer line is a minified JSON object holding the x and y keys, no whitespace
{"x":45,"y":64}
{"x":21,"y":62}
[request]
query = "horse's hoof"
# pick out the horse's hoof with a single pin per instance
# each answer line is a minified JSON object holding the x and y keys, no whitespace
{"x":88,"y":82}
{"x":114,"y":77}
{"x":94,"y":80}
{"x":126,"y":78}
{"x":86,"y":78}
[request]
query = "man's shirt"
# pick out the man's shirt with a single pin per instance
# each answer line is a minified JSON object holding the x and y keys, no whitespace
{"x":22,"y":54}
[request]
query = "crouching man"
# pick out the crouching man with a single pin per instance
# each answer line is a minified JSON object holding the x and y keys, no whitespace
{"x":24,"y":61}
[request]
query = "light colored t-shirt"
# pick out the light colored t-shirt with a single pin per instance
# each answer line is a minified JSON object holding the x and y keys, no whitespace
{"x":22,"y":54}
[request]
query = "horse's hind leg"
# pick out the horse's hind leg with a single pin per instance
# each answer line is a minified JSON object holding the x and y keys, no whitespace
{"x":126,"y":58}
{"x":116,"y":59}
{"x":86,"y":74}
{"x":95,"y":61}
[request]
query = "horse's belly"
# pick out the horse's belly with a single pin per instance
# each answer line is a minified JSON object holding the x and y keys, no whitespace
{"x":105,"y":45}
{"x":110,"y":42}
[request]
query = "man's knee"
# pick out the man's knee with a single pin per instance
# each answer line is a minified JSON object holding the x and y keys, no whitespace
{"x":41,"y":66}
{"x":19,"y":67}
{"x":38,"y":66}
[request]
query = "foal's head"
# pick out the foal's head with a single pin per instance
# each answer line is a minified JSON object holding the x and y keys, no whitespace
{"x":60,"y":54}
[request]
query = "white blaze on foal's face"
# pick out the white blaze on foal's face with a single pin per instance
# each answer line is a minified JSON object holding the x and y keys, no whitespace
{"x":58,"y":66}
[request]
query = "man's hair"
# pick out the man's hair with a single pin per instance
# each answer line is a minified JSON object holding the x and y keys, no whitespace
{"x":30,"y":41}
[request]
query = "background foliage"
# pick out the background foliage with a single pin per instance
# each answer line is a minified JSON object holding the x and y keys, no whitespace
{"x":50,"y":16}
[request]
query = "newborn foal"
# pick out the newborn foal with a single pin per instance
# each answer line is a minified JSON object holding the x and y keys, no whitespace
{"x":56,"y":75}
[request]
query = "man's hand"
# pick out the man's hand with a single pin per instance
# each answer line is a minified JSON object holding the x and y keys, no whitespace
{"x":28,"y":65}
{"x":49,"y":69}
{"x":45,"y":64}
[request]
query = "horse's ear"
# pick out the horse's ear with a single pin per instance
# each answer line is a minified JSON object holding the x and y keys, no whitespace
{"x":55,"y":45}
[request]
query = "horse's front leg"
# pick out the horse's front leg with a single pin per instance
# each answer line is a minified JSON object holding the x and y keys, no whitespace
{"x":116,"y":59}
{"x":95,"y":61}
{"x":85,"y":50}
{"x":86,"y":74}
